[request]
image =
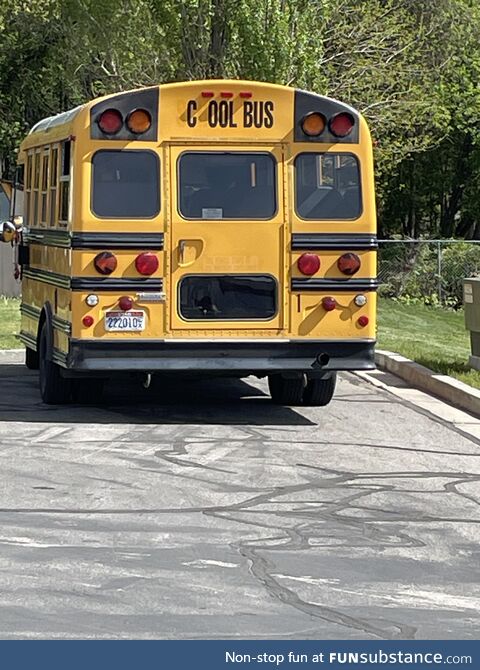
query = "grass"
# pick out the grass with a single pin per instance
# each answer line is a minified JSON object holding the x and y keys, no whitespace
{"x":9,"y":323}
{"x":432,"y":336}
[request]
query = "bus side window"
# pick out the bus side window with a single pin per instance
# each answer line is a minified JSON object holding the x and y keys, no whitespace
{"x":28,"y":189}
{"x":17,"y":204}
{"x":53,"y":206}
{"x":64,"y":183}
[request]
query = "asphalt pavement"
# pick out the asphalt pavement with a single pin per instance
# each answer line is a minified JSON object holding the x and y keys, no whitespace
{"x":201,"y":510}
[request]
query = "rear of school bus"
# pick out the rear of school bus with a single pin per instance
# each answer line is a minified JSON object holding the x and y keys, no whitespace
{"x":221,"y":228}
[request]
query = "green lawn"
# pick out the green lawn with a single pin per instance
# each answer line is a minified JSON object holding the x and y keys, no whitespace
{"x":431,"y":336}
{"x":9,"y":323}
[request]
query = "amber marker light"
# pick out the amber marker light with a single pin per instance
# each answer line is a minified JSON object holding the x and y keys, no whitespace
{"x":313,"y":124}
{"x":139,"y":121}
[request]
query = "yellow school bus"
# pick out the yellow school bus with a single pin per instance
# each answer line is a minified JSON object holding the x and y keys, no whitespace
{"x":203,"y":228}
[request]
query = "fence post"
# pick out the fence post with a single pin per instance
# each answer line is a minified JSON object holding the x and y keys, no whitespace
{"x":439,"y":271}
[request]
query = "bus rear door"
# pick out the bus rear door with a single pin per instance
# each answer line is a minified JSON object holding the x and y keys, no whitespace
{"x":227,"y":240}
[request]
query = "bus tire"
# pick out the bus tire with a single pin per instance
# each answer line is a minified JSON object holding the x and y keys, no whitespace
{"x":319,"y":392}
{"x":31,"y":359}
{"x":286,"y":391}
{"x":54,"y":389}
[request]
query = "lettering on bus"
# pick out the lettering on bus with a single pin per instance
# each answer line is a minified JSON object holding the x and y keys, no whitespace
{"x":220,"y":114}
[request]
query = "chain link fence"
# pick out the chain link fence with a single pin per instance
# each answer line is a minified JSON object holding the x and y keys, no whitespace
{"x":428,"y":270}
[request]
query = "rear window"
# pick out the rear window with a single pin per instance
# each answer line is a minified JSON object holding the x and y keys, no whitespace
{"x":327,"y":186}
{"x":125,"y":184}
{"x":227,"y":185}
{"x":228,"y":297}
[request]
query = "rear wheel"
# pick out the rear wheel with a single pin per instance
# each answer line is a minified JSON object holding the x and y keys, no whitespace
{"x":54,"y":389}
{"x":286,"y":391}
{"x":319,"y":392}
{"x":31,"y":359}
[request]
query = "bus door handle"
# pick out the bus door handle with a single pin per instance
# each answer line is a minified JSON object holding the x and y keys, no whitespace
{"x":181,"y":250}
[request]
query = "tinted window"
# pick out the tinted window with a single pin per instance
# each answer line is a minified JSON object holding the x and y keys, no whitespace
{"x":126,"y":184}
{"x":227,"y":186}
{"x":327,"y":186}
{"x":228,"y":297}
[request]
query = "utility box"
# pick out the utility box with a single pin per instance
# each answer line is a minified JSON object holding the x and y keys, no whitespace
{"x":471,"y":301}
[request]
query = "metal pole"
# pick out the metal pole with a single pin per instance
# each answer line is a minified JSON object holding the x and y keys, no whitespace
{"x":439,"y":271}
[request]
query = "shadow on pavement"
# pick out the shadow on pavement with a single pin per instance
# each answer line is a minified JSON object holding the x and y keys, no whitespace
{"x":206,"y":401}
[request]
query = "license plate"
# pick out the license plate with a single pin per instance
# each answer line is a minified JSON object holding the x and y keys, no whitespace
{"x":125,"y":321}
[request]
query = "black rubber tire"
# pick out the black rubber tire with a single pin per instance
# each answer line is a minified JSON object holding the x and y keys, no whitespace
{"x":286,"y":391}
{"x":319,"y":392}
{"x":87,"y":391}
{"x":54,"y":389}
{"x":31,"y":359}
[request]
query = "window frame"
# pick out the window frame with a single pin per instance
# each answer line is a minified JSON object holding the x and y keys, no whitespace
{"x":159,"y":182}
{"x":228,"y":153}
{"x":334,"y":154}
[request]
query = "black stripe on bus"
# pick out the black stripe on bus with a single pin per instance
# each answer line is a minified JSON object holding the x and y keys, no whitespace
{"x":51,"y":238}
{"x":47,"y":277}
{"x":118,"y":284}
{"x":118,"y":241}
{"x":325,"y":241}
{"x":309,"y":284}
{"x":28,"y":339}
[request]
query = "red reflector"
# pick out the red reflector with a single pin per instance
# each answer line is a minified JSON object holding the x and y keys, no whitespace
{"x":226,"y":94}
{"x":362,"y":321}
{"x":110,"y":121}
{"x":105,"y":263}
{"x":125,"y":303}
{"x":207,"y":94}
{"x":329,"y":304}
{"x":341,"y":124}
{"x":246,"y":94}
{"x":146,"y":263}
{"x":308,"y":264}
{"x":87,"y":321}
{"x":349,"y":264}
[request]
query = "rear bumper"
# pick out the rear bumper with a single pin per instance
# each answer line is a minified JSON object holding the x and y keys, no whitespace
{"x":221,"y":356}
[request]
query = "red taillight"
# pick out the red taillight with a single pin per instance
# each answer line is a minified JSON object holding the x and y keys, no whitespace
{"x":87,"y":321}
{"x":105,"y":263}
{"x":125,"y":303}
{"x":110,"y":121}
{"x":362,"y":321}
{"x":245,"y":94}
{"x":226,"y":94}
{"x":146,"y":263}
{"x":308,"y":264}
{"x":329,"y":304}
{"x":341,"y":124}
{"x":207,"y":94}
{"x":349,"y":264}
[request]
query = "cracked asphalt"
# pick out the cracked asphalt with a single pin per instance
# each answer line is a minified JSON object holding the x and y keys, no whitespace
{"x":204,"y":511}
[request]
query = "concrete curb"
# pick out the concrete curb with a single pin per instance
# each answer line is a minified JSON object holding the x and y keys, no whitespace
{"x":450,"y":390}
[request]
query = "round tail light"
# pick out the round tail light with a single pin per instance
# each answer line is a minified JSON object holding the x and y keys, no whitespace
{"x":349,"y":264}
{"x":341,"y":124}
{"x":146,"y":263}
{"x":105,"y":263}
{"x":125,"y":303}
{"x":313,"y":124}
{"x":87,"y":321}
{"x":308,"y":264}
{"x":110,"y":121}
{"x":329,"y":304}
{"x":362,"y":321}
{"x":139,"y":121}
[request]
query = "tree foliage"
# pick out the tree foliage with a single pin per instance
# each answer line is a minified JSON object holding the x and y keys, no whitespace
{"x":411,"y":68}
